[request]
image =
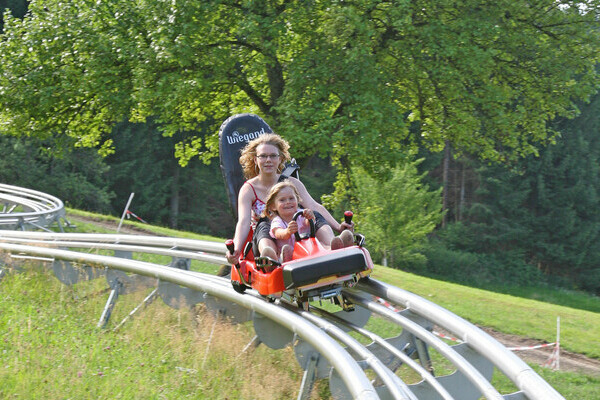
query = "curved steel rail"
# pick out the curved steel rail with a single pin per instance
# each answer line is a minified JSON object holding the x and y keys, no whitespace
{"x":25,"y":208}
{"x":533,"y":386}
{"x":96,"y":238}
{"x":353,"y":375}
{"x":472,"y":374}
{"x":523,"y":376}
{"x":425,"y":375}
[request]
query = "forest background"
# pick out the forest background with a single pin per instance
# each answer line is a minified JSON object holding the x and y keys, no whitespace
{"x":463,"y":134}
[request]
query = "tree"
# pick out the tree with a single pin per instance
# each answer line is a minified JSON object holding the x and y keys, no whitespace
{"x":396,"y":213}
{"x":143,"y":163}
{"x":191,"y":198}
{"x":565,"y":202}
{"x":344,"y":79}
{"x":541,"y":216}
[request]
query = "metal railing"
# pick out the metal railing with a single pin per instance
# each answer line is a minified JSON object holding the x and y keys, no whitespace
{"x":353,"y":375}
{"x":26,"y":209}
{"x":474,"y":360}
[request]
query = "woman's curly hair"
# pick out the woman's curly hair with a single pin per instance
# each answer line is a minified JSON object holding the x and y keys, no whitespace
{"x":247,"y":159}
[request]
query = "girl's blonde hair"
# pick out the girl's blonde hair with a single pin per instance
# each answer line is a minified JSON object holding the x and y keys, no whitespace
{"x":275,"y":190}
{"x":247,"y":160}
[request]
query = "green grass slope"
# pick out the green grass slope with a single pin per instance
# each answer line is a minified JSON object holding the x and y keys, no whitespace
{"x":50,"y":346}
{"x":505,"y":313}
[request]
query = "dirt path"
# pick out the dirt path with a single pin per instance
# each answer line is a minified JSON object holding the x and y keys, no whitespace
{"x":572,"y":362}
{"x":568,"y":361}
{"x":110,"y":225}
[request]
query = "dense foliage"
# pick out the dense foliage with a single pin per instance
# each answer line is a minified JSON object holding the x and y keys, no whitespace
{"x":191,"y":198}
{"x":342,"y":78}
{"x":396,"y":214}
{"x":537,"y":220}
{"x":78,"y":177}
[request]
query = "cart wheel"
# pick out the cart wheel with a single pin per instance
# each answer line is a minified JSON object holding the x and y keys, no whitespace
{"x":238,"y":287}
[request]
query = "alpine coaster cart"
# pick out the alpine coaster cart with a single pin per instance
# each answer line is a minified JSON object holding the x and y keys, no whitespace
{"x":314,"y":273}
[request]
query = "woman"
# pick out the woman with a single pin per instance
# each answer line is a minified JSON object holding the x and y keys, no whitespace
{"x":263,"y":160}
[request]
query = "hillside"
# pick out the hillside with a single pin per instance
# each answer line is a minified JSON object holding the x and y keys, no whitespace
{"x":71,"y":314}
{"x":576,"y":355}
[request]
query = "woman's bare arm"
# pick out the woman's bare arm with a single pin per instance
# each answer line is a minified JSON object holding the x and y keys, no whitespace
{"x":242,"y":228}
{"x":309,"y":202}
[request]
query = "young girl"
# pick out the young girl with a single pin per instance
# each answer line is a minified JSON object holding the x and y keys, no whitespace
{"x":282,"y":204}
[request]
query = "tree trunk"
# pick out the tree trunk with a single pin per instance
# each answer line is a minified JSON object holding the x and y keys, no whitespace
{"x":445,"y":184}
{"x":461,"y":203}
{"x":174,"y":209}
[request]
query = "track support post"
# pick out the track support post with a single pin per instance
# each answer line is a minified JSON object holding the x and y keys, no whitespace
{"x":110,"y":303}
{"x":309,"y":378}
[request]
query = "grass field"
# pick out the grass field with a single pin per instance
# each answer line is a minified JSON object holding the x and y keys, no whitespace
{"x":506,"y":313}
{"x":50,"y":346}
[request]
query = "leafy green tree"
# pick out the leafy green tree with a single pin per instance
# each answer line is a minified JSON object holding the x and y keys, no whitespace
{"x":495,"y":229}
{"x":340,"y":78}
{"x":142,"y":163}
{"x":565,"y":202}
{"x":396,"y":213}
{"x":203,"y":201}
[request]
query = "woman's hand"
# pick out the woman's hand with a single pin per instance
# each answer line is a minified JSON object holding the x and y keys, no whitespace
{"x":344,"y":225}
{"x":308,"y":214}
{"x":233,"y":258}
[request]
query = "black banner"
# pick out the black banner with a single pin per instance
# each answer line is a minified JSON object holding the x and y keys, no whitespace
{"x":234,"y":134}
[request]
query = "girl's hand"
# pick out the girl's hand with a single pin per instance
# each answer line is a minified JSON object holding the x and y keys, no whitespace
{"x":292,"y":227}
{"x":308,"y":214}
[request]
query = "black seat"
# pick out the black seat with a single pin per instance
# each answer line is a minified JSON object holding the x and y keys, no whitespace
{"x":308,"y":271}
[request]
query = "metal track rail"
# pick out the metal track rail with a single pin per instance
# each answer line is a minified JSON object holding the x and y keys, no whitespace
{"x":472,"y":374}
{"x":356,"y":358}
{"x":140,"y":240}
{"x":22,"y":208}
{"x":170,"y":252}
{"x":524,"y":377}
{"x":356,"y":381}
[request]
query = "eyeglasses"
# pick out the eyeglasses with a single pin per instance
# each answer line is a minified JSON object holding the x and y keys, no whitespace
{"x":268,"y":156}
